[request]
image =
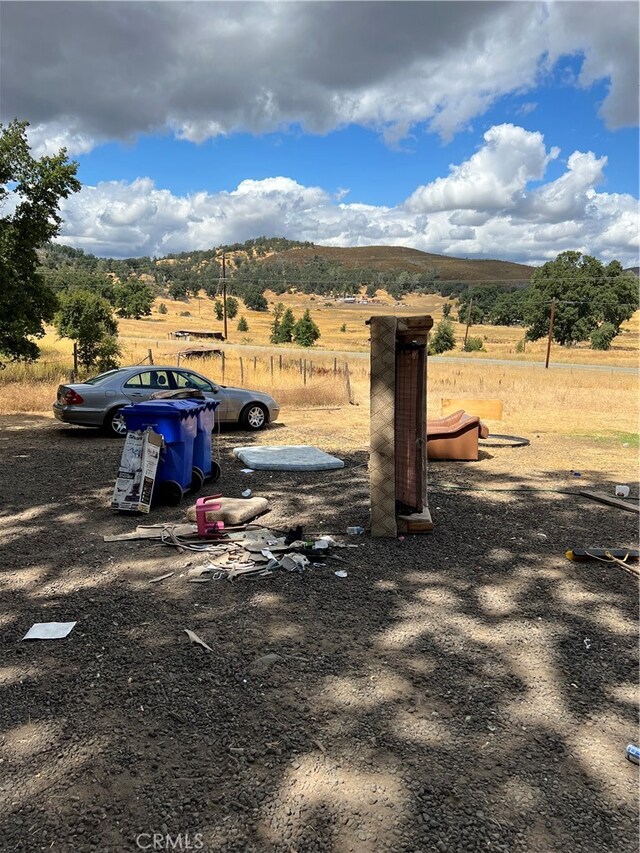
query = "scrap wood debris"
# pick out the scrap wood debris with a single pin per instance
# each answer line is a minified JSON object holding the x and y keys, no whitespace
{"x":249,"y":551}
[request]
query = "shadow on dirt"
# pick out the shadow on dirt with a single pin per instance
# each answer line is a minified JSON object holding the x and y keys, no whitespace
{"x":467,"y":690}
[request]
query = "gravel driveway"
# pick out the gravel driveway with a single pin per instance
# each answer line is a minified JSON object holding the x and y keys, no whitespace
{"x":468,"y":690}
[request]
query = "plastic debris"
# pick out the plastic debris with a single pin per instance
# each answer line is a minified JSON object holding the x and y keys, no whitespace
{"x":247,"y":470}
{"x":587,"y":643}
{"x":355,"y":531}
{"x":633,"y":753}
{"x":622,"y":491}
{"x":49,"y":630}
{"x":294,"y":562}
{"x":341,"y":573}
{"x":196,"y":639}
{"x":246,"y":493}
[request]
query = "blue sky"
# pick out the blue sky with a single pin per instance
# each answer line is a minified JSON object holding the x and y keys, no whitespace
{"x":482,"y":130}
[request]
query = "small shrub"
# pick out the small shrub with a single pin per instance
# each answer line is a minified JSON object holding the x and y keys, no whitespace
{"x":446,"y":309}
{"x":602,"y":337}
{"x":473,"y":345}
{"x":343,"y":327}
{"x":243,"y":326}
{"x":444,"y":338}
{"x":162,"y":308}
{"x":185,"y":313}
{"x":520,"y":345}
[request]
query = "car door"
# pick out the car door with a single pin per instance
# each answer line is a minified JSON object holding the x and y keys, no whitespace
{"x":141,"y":385}
{"x":189,"y":379}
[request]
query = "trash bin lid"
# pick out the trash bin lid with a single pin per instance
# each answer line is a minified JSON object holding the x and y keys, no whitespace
{"x":166,"y":408}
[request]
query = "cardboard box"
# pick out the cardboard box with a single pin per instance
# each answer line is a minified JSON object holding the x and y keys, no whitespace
{"x":137,"y":473}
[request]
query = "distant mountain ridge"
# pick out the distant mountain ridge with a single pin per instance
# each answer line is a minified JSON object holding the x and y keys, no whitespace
{"x":274,"y":250}
{"x":386,"y":258}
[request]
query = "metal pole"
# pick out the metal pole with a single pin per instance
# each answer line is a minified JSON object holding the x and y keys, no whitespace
{"x":347,"y":380}
{"x":224,"y":294}
{"x":550,"y":338}
{"x":466,"y":331}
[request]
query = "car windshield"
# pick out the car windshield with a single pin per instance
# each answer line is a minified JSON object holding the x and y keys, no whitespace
{"x":103,"y":377}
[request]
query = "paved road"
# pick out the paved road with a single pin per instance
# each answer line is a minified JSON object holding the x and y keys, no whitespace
{"x":445,"y":358}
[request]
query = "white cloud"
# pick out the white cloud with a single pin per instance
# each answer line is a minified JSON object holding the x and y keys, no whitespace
{"x":484,"y":208}
{"x":83,"y":73}
{"x":493,"y":178}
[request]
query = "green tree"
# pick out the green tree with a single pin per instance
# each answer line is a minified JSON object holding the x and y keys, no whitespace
{"x":88,"y":319}
{"x":232,"y":307}
{"x":133,"y":298}
{"x":305,"y":331}
{"x":243,"y":326}
{"x":162,"y":308}
{"x":278,"y":311}
{"x":587,"y":294}
{"x":37,"y":185}
{"x":446,"y":309}
{"x":287,"y":326}
{"x":219,"y":310}
{"x":254,"y":299}
{"x":444,"y":338}
{"x":602,"y":337}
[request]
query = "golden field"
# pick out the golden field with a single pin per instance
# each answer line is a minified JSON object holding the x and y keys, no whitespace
{"x":561,"y":402}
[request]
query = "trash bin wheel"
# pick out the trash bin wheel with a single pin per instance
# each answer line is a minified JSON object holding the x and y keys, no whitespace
{"x":216,"y":470}
{"x":197,"y":479}
{"x":168,"y":492}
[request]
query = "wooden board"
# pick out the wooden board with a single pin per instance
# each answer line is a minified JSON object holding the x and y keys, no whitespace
{"x":489,"y":409}
{"x":630,"y":506}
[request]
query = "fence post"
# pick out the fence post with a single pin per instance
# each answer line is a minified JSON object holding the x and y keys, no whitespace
{"x":271,"y":368}
{"x":347,"y":381}
{"x":304,"y":373}
{"x":300,"y":366}
{"x":75,"y":359}
{"x":150,"y":356}
{"x":280,"y":362}
{"x":178,"y":364}
{"x":223,"y":367}
{"x":255,"y":363}
{"x":335,"y":366}
{"x":241,"y":371}
{"x":310,"y":371}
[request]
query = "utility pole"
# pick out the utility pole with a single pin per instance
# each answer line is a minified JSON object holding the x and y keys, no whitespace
{"x":224,"y":295}
{"x":550,"y":338}
{"x":466,"y":331}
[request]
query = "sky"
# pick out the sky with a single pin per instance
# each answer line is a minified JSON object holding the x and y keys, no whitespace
{"x":473,"y":129}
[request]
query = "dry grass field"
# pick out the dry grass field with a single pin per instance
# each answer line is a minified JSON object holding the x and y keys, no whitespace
{"x":578,"y":403}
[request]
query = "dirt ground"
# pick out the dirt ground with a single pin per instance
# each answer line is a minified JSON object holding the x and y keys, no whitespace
{"x":467,"y":690}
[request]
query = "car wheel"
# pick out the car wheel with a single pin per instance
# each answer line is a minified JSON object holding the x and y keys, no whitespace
{"x":115,"y":424}
{"x":254,"y":416}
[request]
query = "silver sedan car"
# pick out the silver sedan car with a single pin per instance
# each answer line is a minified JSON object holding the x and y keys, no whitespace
{"x":98,"y":401}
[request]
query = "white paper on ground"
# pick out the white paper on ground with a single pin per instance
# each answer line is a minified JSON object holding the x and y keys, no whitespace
{"x":246,"y":470}
{"x":49,"y":630}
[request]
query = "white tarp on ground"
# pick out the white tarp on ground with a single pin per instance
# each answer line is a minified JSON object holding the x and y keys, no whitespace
{"x":287,"y":457}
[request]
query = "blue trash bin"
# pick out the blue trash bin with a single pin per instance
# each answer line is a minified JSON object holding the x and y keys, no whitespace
{"x":203,"y":466}
{"x":177,"y":422}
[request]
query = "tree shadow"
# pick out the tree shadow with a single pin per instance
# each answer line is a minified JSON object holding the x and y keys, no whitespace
{"x":470,"y":689}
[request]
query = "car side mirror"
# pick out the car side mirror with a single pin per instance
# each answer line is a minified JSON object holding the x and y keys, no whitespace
{"x":215,"y":389}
